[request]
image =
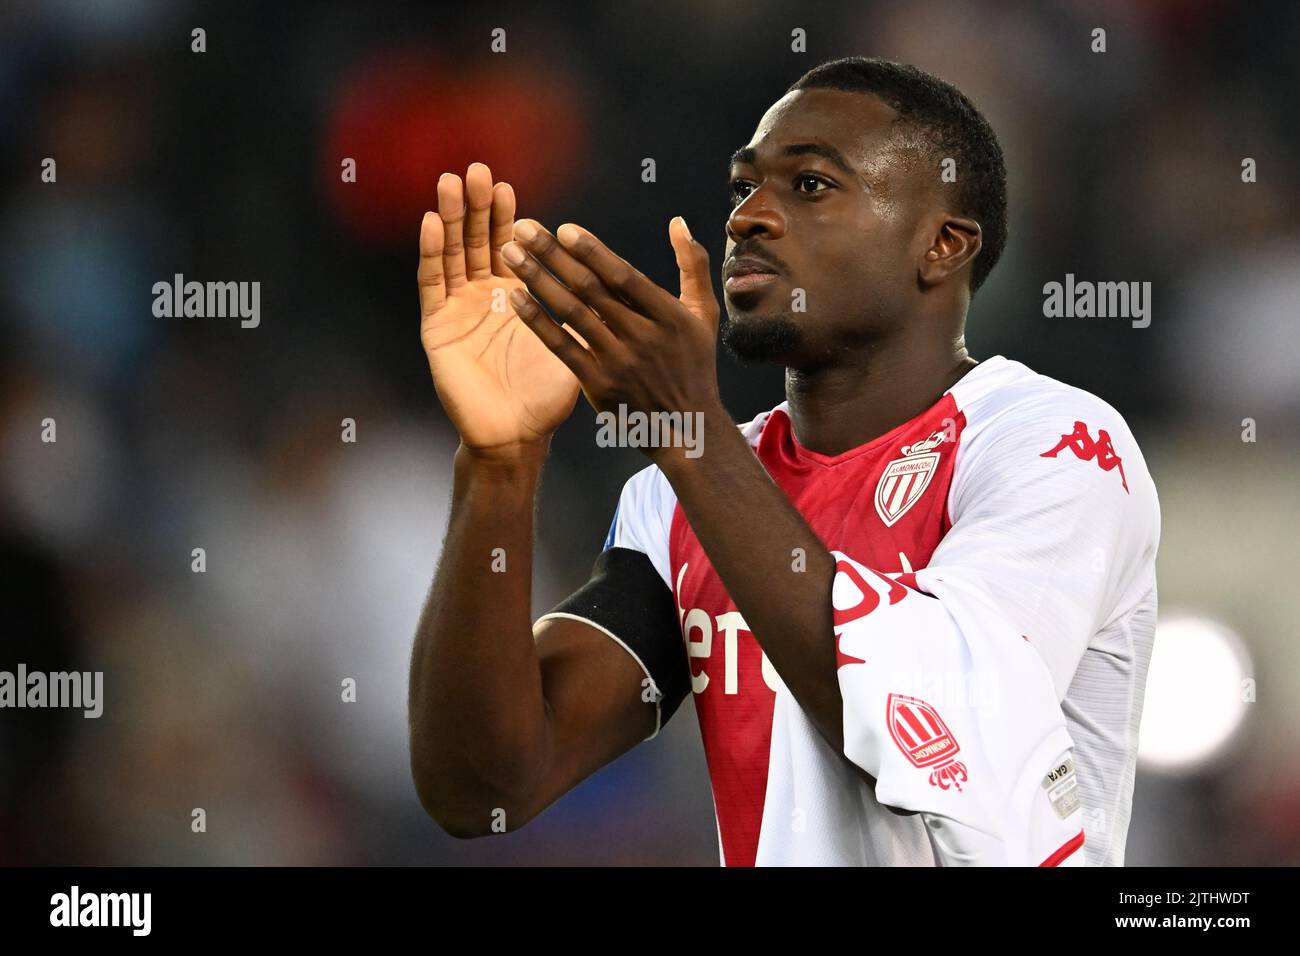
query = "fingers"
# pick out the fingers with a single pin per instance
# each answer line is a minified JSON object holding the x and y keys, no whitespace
{"x":429,"y":277}
{"x":451,"y":208}
{"x":503,"y":225}
{"x":478,"y":193}
{"x":562,"y":302}
{"x":566,"y":345}
{"x":693,"y":268}
{"x":580,"y":280}
{"x":614,"y":272}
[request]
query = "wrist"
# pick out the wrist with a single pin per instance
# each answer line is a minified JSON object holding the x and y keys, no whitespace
{"x":714,"y":436}
{"x":513,"y":462}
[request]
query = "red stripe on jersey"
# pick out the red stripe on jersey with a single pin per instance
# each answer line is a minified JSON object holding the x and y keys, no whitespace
{"x":1066,"y":849}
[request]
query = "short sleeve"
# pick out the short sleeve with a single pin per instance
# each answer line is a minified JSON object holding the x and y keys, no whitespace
{"x":1055,"y":525}
{"x":952,"y":676}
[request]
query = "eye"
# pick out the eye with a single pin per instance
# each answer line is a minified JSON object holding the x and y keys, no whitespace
{"x":737,"y":190}
{"x":808,"y":178}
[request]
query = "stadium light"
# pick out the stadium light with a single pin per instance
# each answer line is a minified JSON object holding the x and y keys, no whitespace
{"x":1198,"y":687}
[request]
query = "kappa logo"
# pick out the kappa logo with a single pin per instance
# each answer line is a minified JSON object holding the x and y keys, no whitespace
{"x":1085,"y":449}
{"x":905,"y":479}
{"x":925,"y":740}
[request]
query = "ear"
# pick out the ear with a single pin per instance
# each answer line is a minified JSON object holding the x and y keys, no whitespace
{"x":955,"y":245}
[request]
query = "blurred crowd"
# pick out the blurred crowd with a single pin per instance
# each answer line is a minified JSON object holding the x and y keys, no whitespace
{"x":224,"y":688}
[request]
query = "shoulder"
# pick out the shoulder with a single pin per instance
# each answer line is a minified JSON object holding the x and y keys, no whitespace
{"x":753,"y":428}
{"x":644,"y":517}
{"x":1000,"y":397}
{"x":1026,"y":429}
{"x":649,"y":488}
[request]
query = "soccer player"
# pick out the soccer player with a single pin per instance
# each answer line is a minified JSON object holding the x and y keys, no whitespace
{"x":914,"y":602}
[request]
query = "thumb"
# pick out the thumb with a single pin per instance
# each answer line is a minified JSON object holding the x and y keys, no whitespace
{"x":693,"y":266}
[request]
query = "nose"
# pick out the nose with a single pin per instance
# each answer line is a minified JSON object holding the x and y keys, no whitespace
{"x":756,"y":215}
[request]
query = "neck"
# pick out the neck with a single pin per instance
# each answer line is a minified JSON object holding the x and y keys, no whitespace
{"x":838,"y":407}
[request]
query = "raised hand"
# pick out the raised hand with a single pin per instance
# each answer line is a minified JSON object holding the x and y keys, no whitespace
{"x":502,"y":387}
{"x":641,"y":346}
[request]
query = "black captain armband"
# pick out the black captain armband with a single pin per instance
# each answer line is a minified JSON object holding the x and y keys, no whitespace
{"x":628,"y":600}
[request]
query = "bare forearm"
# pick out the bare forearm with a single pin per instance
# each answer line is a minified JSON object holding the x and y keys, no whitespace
{"x":477,"y":712}
{"x":751,"y":531}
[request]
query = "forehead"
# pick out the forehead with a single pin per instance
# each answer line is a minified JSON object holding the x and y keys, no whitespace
{"x":856,"y":124}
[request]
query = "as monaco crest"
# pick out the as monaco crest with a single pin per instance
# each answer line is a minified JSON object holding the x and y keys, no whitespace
{"x":905,"y":479}
{"x":925,"y":740}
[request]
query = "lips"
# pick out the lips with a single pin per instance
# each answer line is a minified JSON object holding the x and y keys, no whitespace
{"x":745,"y":266}
{"x":747,"y":273}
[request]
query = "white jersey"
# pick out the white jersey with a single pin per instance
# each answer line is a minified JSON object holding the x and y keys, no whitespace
{"x":994,"y":608}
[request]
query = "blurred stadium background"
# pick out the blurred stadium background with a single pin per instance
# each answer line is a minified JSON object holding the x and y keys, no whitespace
{"x":223,"y":689}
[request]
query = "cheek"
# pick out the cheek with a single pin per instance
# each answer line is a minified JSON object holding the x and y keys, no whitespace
{"x":845,"y":253}
{"x":884,"y":242}
{"x":844,"y":256}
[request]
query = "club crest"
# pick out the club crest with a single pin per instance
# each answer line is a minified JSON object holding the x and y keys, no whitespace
{"x":919,"y":731}
{"x":925,"y":740}
{"x":905,"y":479}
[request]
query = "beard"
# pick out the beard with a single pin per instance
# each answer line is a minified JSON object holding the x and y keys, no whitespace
{"x":761,"y":338}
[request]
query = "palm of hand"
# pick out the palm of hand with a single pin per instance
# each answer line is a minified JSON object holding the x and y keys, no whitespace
{"x":495,"y":377}
{"x":500,"y":385}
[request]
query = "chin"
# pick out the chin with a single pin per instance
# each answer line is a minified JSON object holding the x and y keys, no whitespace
{"x":761,"y":338}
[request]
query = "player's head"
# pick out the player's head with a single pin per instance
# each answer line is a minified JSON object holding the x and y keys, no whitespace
{"x":878,"y":195}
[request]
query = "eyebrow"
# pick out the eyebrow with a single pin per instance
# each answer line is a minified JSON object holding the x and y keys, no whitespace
{"x":748,"y":154}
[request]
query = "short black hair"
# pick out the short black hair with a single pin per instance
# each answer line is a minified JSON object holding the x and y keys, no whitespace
{"x":946,"y":124}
